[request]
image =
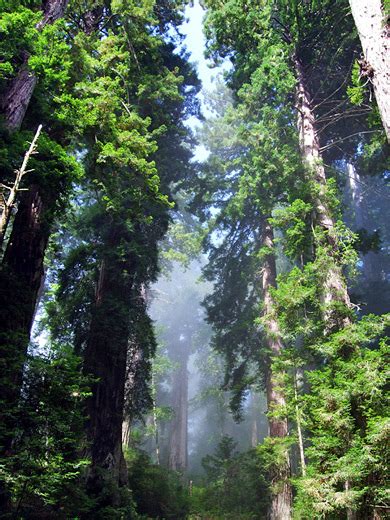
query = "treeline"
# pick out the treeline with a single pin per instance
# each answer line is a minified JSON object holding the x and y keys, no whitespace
{"x":83,"y":217}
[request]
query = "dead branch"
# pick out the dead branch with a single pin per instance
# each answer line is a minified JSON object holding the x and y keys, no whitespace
{"x":9,"y":203}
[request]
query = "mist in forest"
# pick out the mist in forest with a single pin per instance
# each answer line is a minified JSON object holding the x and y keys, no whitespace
{"x":194,"y":260}
{"x":189,"y":379}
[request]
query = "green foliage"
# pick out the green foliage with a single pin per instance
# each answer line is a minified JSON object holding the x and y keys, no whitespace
{"x":294,"y":222}
{"x":348,"y":420}
{"x":234,"y":486}
{"x":157,"y":492}
{"x":356,"y":91}
{"x":18,"y":34}
{"x":43,"y":470}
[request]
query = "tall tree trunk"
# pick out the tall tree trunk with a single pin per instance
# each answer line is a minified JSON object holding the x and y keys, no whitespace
{"x":21,"y":276}
{"x":298,"y":421}
{"x":133,"y":366}
{"x":105,"y":360}
{"x":334,"y":290}
{"x":373,"y":26}
{"x":281,"y":500}
{"x":178,"y":450}
{"x":334,"y":287}
{"x":155,"y":422}
{"x":358,"y":207}
{"x":360,"y":219}
{"x":17,"y":95}
{"x":254,"y":417}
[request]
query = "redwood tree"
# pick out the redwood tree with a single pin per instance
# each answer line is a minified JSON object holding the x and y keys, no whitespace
{"x":373,"y":26}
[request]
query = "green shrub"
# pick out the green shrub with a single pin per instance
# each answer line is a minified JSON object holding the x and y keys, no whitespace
{"x":157,"y":491}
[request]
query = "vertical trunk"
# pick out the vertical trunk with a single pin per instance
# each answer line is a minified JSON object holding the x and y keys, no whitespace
{"x":105,"y":361}
{"x":21,"y":277}
{"x":254,"y":416}
{"x":334,"y":290}
{"x":298,"y":420}
{"x":281,"y":501}
{"x":334,"y":287}
{"x":126,"y":432}
{"x":17,"y":96}
{"x":373,"y":27}
{"x":351,"y":514}
{"x":360,"y":219}
{"x":354,"y":186}
{"x":155,"y":425}
{"x":133,"y":365}
{"x":178,"y":440}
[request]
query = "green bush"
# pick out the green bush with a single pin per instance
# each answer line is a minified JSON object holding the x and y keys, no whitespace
{"x":234,"y":485}
{"x":157,"y":491}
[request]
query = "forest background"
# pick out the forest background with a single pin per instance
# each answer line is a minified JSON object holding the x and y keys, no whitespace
{"x":249,"y":381}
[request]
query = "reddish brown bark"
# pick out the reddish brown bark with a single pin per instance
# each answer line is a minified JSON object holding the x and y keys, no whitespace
{"x":21,"y":275}
{"x":255,"y":412}
{"x":334,"y":285}
{"x":178,"y":449}
{"x":17,"y":96}
{"x":105,"y":360}
{"x":281,"y":500}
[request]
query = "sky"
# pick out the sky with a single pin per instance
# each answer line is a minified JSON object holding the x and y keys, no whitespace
{"x":196,"y":44}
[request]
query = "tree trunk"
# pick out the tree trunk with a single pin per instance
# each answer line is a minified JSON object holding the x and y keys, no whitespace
{"x":334,"y":290}
{"x":126,"y":432}
{"x":105,"y":360}
{"x":298,"y":421}
{"x":155,"y":422}
{"x":254,"y":417}
{"x":21,"y":276}
{"x":178,"y":441}
{"x":373,"y":28}
{"x":17,"y":96}
{"x":133,"y":365}
{"x":355,"y":188}
{"x":281,"y":500}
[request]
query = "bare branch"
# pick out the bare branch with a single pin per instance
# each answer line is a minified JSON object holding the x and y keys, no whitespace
{"x":10,"y":202}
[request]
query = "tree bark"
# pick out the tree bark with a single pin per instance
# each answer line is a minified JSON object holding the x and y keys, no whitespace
{"x":361,"y":220}
{"x":178,"y":449}
{"x":17,"y":96}
{"x":334,"y":287}
{"x":21,"y":275}
{"x":374,"y":32}
{"x":105,"y":361}
{"x":254,"y":417}
{"x":133,"y":366}
{"x":354,"y":186}
{"x":334,"y":290}
{"x":298,"y":421}
{"x":155,"y":422}
{"x":281,"y":500}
